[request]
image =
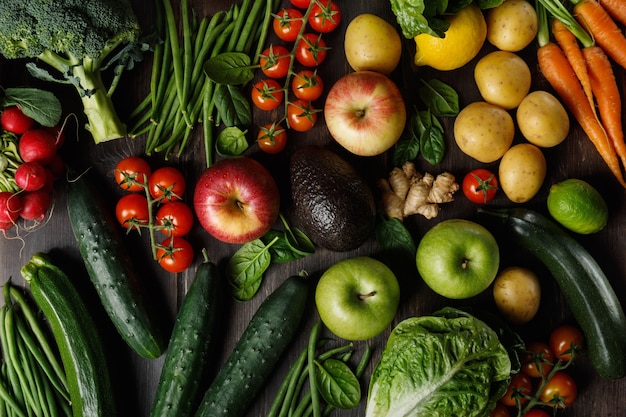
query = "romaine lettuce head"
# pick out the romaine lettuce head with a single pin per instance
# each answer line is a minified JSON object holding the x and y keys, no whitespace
{"x":444,"y":365}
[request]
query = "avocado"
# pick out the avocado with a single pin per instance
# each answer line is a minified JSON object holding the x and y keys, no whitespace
{"x":333,"y":204}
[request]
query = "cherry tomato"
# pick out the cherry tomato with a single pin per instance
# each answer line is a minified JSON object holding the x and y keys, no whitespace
{"x":307,"y":85}
{"x":132,"y":211}
{"x":131,"y":172}
{"x":302,"y":4}
{"x":275,"y":61}
{"x":287,"y":24}
{"x":167,"y":184}
{"x":560,"y":391}
{"x":272,"y":138}
{"x":175,"y":218}
{"x":15,"y":121}
{"x":565,"y":340}
{"x":536,"y":412}
{"x":519,"y":387}
{"x":480,"y":185}
{"x":267,"y":94}
{"x":311,"y":50}
{"x":325,"y":16}
{"x":175,"y":254}
{"x":537,"y":360}
{"x":500,"y":411}
{"x":301,"y":115}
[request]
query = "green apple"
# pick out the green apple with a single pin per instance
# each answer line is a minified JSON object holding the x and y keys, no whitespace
{"x":458,"y":258}
{"x":357,"y":298}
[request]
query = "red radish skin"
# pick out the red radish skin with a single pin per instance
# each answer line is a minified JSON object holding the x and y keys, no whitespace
{"x":35,"y":205}
{"x":15,"y":121}
{"x":10,"y":208}
{"x":37,"y":145}
{"x":32,"y":176}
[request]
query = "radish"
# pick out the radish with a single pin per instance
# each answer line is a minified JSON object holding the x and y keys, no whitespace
{"x":35,"y":205}
{"x":32,"y":176}
{"x":15,"y":121}
{"x":10,"y":208}
{"x":37,"y":145}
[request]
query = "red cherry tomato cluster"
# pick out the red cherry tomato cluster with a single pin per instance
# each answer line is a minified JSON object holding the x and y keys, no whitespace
{"x":543,"y":382}
{"x":29,"y":166}
{"x":161,"y":190}
{"x":301,"y":26}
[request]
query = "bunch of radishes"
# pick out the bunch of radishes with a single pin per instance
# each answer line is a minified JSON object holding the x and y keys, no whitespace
{"x":29,"y":165}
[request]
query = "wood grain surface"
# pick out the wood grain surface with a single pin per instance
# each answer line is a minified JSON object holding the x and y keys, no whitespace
{"x":135,"y":378}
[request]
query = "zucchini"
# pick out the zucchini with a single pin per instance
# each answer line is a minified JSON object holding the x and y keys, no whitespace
{"x":187,"y":356}
{"x":76,"y":334}
{"x":255,"y":355}
{"x":589,"y":293}
{"x":111,"y":270}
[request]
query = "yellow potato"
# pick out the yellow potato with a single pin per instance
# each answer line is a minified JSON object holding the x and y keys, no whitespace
{"x":503,"y":78}
{"x":542,"y":119}
{"x":371,"y":43}
{"x":512,"y":25}
{"x":517,"y":294}
{"x":484,"y":131}
{"x":521,"y":172}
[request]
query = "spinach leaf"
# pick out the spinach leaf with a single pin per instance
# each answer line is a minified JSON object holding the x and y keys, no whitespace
{"x":232,"y":68}
{"x":439,"y":97}
{"x":245,"y":269}
{"x":432,"y":141}
{"x":231,"y":141}
{"x":233,"y":107}
{"x":40,"y":105}
{"x":392,"y":235}
{"x":337,"y":384}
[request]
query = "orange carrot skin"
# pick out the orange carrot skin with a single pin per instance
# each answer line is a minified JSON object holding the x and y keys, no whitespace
{"x":570,"y":46}
{"x":605,"y":31}
{"x":607,"y":96}
{"x":616,"y":8}
{"x":559,"y":73}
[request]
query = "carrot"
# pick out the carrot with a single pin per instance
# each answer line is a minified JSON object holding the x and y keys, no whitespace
{"x":607,"y":96}
{"x":616,"y":8}
{"x":603,"y":28}
{"x":570,"y":46}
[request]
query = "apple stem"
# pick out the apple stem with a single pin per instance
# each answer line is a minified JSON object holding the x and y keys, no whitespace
{"x":368,"y":295}
{"x":464,"y":264}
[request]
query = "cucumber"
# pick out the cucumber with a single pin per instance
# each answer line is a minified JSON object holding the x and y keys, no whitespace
{"x":589,"y":293}
{"x":255,"y":355}
{"x":76,"y":334}
{"x":111,"y":270}
{"x":187,"y":356}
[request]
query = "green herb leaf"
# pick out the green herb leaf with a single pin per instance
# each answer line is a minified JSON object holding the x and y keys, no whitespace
{"x":439,"y":97}
{"x":432,"y":142}
{"x":233,"y":107}
{"x":231,"y":142}
{"x":337,"y":384}
{"x":232,"y":68}
{"x":392,"y":235}
{"x":40,"y":105}
{"x":245,"y":269}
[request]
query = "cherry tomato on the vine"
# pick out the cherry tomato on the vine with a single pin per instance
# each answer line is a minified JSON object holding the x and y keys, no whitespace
{"x":287,"y":24}
{"x":307,"y":85}
{"x":480,"y":185}
{"x":275,"y":61}
{"x":272,"y":138}
{"x":302,"y":4}
{"x":131,"y":172}
{"x":267,"y":94}
{"x":311,"y":50}
{"x":301,"y":115}
{"x":325,"y":16}
{"x":537,"y":360}
{"x":519,"y":388}
{"x":13,"y":120}
{"x":167,"y":184}
{"x":500,"y":411}
{"x":537,"y":412}
{"x":560,"y":391}
{"x":131,"y":211}
{"x":565,"y":340}
{"x":175,"y":254}
{"x":174,"y":218}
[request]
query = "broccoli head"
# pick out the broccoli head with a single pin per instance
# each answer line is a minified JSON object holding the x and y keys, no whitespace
{"x":77,"y":38}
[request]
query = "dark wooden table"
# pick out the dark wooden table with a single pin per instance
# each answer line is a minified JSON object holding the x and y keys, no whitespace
{"x":135,"y":378}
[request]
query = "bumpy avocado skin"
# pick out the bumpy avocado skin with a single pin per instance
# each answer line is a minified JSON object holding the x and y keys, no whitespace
{"x":333,"y":204}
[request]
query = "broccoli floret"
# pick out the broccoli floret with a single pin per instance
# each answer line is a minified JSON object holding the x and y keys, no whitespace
{"x":77,"y":38}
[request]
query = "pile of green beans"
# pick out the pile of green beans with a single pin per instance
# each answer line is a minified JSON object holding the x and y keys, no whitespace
{"x":181,"y":95}
{"x":32,"y":379}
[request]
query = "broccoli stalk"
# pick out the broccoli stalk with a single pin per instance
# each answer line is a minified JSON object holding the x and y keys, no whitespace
{"x":77,"y":39}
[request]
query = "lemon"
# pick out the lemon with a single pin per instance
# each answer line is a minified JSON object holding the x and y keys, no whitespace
{"x":578,"y":206}
{"x":462,"y":41}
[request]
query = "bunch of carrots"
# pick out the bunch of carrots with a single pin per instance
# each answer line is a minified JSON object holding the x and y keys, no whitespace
{"x":578,"y":65}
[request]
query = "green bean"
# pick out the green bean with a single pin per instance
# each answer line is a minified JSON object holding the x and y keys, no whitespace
{"x":9,"y":400}
{"x":242,"y":17}
{"x":249,"y":27}
{"x":287,"y":387}
{"x":315,"y":395}
{"x":187,"y":54}
{"x":33,"y":384}
{"x":207,"y":124}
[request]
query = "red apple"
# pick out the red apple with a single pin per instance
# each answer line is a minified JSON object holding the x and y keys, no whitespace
{"x":236,"y":200}
{"x":365,"y":112}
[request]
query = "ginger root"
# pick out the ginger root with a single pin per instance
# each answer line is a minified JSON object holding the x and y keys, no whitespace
{"x":406,"y":192}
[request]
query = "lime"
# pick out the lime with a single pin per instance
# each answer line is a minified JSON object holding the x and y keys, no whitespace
{"x":578,"y":206}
